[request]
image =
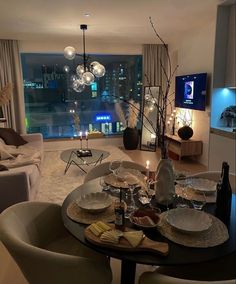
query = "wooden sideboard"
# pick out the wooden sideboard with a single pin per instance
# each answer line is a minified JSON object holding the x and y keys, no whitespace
{"x":182,"y":148}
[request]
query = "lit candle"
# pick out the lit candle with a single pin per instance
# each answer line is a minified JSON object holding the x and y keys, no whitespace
{"x":86,"y":137}
{"x":147,"y":167}
{"x":81,"y":135}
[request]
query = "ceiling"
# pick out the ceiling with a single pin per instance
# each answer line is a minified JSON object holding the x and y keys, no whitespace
{"x":111,"y":21}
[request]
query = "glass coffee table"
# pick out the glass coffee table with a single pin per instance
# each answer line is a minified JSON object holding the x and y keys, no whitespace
{"x":83,"y":157}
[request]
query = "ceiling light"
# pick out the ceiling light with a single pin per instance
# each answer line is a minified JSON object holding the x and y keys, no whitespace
{"x":85,"y":73}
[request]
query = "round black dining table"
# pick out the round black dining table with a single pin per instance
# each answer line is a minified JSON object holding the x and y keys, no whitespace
{"x":178,"y":254}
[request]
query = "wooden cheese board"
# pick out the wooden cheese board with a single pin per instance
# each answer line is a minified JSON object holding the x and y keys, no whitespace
{"x":146,"y":245}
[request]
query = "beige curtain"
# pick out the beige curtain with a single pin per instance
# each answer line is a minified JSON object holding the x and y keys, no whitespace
{"x":154,"y":55}
{"x":11,"y":72}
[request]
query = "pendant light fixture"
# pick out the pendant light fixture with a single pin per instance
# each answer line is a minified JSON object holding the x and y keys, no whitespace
{"x":85,"y":72}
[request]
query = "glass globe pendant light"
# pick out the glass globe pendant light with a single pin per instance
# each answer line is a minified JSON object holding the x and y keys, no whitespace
{"x":69,"y":52}
{"x":85,"y":73}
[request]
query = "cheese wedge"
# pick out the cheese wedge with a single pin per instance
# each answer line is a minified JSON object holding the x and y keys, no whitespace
{"x":98,"y":228}
{"x":133,"y":237}
{"x":112,"y":236}
{"x":103,"y":226}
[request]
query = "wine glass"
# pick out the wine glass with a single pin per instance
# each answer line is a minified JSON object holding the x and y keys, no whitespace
{"x":181,"y":198}
{"x":130,"y":202}
{"x":198,"y":200}
{"x":114,"y":167}
{"x":104,"y":186}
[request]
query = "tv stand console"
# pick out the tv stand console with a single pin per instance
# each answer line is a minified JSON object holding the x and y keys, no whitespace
{"x":182,"y":148}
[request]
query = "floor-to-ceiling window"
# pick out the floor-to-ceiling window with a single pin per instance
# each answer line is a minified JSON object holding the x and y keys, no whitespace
{"x":56,"y":110}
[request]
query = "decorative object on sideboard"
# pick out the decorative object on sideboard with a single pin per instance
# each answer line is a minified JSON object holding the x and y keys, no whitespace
{"x":85,"y":73}
{"x":185,"y":132}
{"x":184,"y":119}
{"x":229,"y":115}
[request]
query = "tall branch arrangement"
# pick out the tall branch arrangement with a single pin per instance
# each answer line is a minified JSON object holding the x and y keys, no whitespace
{"x":165,"y":100}
{"x":165,"y":95}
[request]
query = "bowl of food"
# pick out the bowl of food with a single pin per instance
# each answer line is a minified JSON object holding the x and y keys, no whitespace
{"x":145,"y":218}
{"x":94,"y":202}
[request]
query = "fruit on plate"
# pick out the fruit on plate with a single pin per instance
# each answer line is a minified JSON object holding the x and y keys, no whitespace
{"x":134,"y":237}
{"x":98,"y":228}
{"x":143,"y":221}
{"x":111,"y":236}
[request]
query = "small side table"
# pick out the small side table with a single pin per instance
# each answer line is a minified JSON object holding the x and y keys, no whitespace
{"x":71,"y":157}
{"x":182,"y":148}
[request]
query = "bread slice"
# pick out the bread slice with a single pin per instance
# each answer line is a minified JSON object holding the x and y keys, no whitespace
{"x":134,"y":237}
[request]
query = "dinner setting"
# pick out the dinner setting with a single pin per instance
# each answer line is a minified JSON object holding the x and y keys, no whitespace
{"x":117,"y":214}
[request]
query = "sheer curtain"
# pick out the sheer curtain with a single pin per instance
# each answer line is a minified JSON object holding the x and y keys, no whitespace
{"x":154,"y":55}
{"x":11,"y":72}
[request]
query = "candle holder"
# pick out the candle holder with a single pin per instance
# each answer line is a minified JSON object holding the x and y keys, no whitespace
{"x":87,"y":142}
{"x":81,"y":142}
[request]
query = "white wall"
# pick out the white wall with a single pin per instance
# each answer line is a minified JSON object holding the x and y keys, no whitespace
{"x":222,"y":149}
{"x":194,"y":53}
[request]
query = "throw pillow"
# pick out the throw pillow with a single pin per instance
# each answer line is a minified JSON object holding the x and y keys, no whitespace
{"x":11,"y":137}
{"x":3,"y":168}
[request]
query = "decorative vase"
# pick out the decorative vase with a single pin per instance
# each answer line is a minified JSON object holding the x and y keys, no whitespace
{"x":165,"y":185}
{"x":131,"y":138}
{"x":185,"y":132}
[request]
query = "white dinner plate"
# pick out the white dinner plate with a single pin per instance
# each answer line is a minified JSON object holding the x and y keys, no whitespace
{"x":204,"y":185}
{"x":94,"y":202}
{"x":189,"y":220}
{"x":124,"y":178}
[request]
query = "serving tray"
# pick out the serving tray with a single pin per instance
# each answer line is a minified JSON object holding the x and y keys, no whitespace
{"x":146,"y":245}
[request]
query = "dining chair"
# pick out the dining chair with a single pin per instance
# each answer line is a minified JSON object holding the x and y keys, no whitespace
{"x":34,"y":235}
{"x":215,"y":175}
{"x":158,"y":278}
{"x":103,"y":169}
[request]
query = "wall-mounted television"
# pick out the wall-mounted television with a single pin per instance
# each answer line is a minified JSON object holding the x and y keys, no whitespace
{"x":190,"y":91}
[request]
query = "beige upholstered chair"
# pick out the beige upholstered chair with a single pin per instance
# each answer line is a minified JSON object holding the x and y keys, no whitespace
{"x":103,"y":169}
{"x":36,"y":238}
{"x":157,"y":278}
{"x":215,"y":175}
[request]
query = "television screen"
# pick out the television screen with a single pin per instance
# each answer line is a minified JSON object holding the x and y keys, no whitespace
{"x":190,"y":91}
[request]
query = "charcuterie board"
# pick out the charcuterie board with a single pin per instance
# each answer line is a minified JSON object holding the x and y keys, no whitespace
{"x":146,"y":245}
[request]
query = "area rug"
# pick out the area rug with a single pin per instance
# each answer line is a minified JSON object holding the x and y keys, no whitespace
{"x":55,"y":185}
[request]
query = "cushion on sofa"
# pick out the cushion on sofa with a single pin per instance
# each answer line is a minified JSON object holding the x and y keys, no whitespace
{"x":4,"y":154}
{"x":11,"y":137}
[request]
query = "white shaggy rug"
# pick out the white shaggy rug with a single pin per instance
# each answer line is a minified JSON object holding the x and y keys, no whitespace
{"x":55,"y":185}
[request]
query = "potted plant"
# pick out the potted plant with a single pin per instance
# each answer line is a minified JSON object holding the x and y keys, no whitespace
{"x":229,"y":114}
{"x":129,"y":118}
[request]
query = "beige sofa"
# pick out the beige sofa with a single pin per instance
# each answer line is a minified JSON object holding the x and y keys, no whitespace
{"x":21,"y":183}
